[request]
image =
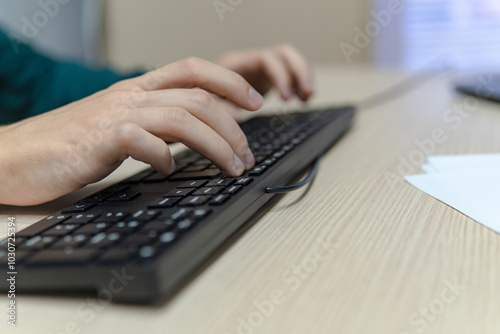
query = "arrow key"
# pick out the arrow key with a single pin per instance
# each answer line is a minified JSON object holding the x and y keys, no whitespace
{"x":79,"y":207}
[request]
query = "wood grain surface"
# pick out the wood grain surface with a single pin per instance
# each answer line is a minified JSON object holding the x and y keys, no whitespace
{"x":360,"y":251}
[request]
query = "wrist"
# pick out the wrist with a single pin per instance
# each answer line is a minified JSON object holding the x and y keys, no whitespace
{"x":5,"y":161}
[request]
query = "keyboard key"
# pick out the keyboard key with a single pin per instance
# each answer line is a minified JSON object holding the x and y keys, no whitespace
{"x":199,"y":214}
{"x":279,"y":154}
{"x":37,"y":242}
{"x":165,"y":203}
{"x":194,"y":200}
{"x":79,"y":207}
{"x":115,"y":255}
{"x":133,"y":224}
{"x":61,"y":229}
{"x":138,"y":177}
{"x":70,"y":241}
{"x":269,"y":162}
{"x":114,"y":216}
{"x":145,"y":215}
{"x":180,"y":214}
{"x":202,"y":161}
{"x":102,"y":240}
{"x":124,"y":196}
{"x":155,"y":178}
{"x":83,"y":218}
{"x":147,"y":252}
{"x":244,"y":181}
{"x":168,"y":238}
{"x":232,"y":190}
{"x":206,"y":174}
{"x":158,"y":227}
{"x":219,"y":199}
{"x":94,"y":228}
{"x":208,"y":191}
{"x":116,"y":189}
{"x":185,"y":224}
{"x":134,"y":242}
{"x":256,"y":171}
{"x":42,"y":225}
{"x":98,"y":198}
{"x":195,"y":168}
{"x":221,"y":182}
{"x":179,"y":192}
{"x":121,"y":228}
{"x":193,"y":184}
{"x":69,"y":256}
{"x":260,"y":158}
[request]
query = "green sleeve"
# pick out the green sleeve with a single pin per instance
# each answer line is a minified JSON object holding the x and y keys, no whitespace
{"x":31,"y":84}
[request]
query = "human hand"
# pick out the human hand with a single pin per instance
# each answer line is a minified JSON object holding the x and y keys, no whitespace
{"x":47,"y":156}
{"x":281,"y":66}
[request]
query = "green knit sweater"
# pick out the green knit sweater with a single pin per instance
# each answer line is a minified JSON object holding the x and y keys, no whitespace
{"x":31,"y":84}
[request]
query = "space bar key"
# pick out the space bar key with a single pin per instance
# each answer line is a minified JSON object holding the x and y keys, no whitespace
{"x":205,"y":174}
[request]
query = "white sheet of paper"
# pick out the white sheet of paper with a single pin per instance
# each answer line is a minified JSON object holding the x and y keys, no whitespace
{"x":463,"y":162}
{"x":468,"y":183}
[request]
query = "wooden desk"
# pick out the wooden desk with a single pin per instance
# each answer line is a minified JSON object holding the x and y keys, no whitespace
{"x":358,"y":253}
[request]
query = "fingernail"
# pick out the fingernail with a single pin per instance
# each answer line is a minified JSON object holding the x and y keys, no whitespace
{"x":171,"y":169}
{"x":249,"y":159}
{"x":238,"y":167}
{"x":255,"y":98}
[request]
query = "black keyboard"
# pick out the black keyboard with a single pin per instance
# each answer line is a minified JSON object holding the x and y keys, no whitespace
{"x":485,"y":86}
{"x":138,"y":240}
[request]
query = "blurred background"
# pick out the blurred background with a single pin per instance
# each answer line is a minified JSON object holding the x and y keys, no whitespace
{"x":126,"y":34}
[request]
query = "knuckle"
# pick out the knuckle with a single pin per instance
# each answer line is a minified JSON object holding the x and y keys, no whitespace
{"x":176,"y":116}
{"x":201,"y":97}
{"x":126,"y":134}
{"x":190,"y":64}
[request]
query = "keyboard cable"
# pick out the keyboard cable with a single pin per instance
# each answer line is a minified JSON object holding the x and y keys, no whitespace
{"x":309,"y":178}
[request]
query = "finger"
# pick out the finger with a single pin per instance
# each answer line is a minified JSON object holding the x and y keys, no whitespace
{"x":177,"y":124}
{"x":278,"y":73}
{"x":300,"y":70}
{"x":210,"y":111}
{"x":141,"y":145}
{"x":231,"y":109}
{"x":195,"y":72}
